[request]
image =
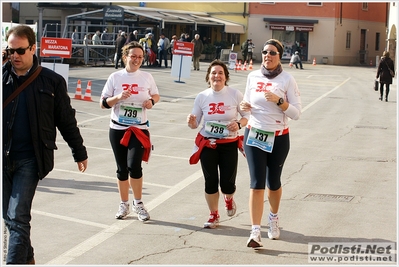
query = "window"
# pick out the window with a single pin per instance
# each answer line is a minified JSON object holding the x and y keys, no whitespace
{"x":365,"y":6}
{"x":348,"y":40}
{"x":377,"y":41}
{"x":315,"y":3}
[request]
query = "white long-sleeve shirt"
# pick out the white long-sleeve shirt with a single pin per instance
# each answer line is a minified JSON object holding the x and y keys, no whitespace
{"x":267,"y":115}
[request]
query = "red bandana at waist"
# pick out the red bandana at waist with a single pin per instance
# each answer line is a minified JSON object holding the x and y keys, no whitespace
{"x":201,"y":142}
{"x":141,"y":136}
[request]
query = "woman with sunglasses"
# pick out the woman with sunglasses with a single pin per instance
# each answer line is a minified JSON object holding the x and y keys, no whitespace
{"x":130,"y":92}
{"x":272,"y":96}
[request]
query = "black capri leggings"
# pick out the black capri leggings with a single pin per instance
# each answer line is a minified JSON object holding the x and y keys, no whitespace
{"x":128,"y":159}
{"x":265,"y":168}
{"x":225,"y":158}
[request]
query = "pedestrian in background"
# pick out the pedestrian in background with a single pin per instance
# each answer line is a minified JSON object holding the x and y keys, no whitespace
{"x":30,"y":124}
{"x":295,"y":60}
{"x":120,"y":42}
{"x":251,"y":47}
{"x":171,"y":47}
{"x":198,"y":47}
{"x":218,"y":141}
{"x":272,"y":96}
{"x":385,"y":71}
{"x":130,"y":93}
{"x":133,"y":36}
{"x":163,"y":47}
{"x":244,"y":50}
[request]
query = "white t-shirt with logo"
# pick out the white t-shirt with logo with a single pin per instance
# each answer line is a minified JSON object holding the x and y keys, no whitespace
{"x":217,"y":109}
{"x":130,"y":111}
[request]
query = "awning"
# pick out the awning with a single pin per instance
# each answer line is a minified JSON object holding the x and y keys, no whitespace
{"x":179,"y":16}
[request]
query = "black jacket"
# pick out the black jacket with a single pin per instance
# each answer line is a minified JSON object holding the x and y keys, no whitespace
{"x":49,"y":108}
{"x":383,"y":71}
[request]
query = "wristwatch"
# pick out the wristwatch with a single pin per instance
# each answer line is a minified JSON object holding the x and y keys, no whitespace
{"x":280,"y":101}
{"x":239,"y":125}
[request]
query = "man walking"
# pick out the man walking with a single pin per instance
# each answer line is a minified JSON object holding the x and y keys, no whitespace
{"x":163,"y":46}
{"x":119,"y":43}
{"x":198,"y":47}
{"x":30,"y":122}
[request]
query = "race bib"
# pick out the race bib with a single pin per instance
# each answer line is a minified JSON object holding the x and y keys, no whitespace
{"x":217,"y":129}
{"x":261,"y":139}
{"x":130,"y":114}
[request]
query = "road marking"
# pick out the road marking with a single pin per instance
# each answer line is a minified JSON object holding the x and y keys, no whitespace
{"x":324,"y":95}
{"x":65,"y":218}
{"x":115,"y":228}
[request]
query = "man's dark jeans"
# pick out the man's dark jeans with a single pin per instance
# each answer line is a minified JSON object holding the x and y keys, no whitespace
{"x":20,"y":179}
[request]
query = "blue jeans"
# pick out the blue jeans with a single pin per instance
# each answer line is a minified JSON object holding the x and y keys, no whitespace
{"x":20,"y":179}
{"x":163,"y":54}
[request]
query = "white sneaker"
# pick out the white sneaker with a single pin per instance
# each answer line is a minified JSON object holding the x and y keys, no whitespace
{"x":230,"y":206}
{"x":254,"y":240}
{"x":142,"y":213}
{"x":274,"y":231}
{"x":124,"y":210}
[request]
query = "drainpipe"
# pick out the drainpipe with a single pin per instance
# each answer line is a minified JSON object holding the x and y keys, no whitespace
{"x":245,"y":10}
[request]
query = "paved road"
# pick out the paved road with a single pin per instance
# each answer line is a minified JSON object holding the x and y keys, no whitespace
{"x":339,"y":181}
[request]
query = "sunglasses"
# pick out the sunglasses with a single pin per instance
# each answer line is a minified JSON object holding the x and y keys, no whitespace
{"x":20,"y":51}
{"x":272,"y":53}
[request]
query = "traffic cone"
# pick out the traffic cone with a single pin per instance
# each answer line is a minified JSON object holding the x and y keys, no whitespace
{"x":314,"y":61}
{"x":239,"y":65}
{"x":78,"y":93}
{"x":236,"y":67}
{"x":293,"y":65}
{"x":88,"y":92}
{"x":245,"y":65}
{"x":250,"y":65}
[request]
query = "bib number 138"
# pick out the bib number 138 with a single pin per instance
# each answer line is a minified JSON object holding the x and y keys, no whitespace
{"x":261,"y":139}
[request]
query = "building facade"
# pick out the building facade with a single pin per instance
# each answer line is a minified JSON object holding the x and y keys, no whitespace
{"x":340,"y":33}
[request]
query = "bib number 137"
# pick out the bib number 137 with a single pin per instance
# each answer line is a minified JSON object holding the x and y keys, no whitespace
{"x":261,"y":139}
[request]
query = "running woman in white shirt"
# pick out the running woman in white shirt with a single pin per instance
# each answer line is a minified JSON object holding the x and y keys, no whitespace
{"x":130,"y":93}
{"x":217,"y":143}
{"x":272,"y":96}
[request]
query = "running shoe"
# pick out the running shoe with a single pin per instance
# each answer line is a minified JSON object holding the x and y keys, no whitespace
{"x":254,"y":240}
{"x":230,"y":205}
{"x":274,"y":230}
{"x":124,"y":210}
{"x":142,"y":213}
{"x":213,"y":221}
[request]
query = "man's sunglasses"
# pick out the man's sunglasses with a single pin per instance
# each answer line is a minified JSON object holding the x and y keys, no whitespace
{"x":272,"y":53}
{"x":20,"y":51}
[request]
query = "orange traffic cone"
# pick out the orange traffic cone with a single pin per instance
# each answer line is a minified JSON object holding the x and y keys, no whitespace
{"x":250,"y":65}
{"x":88,"y":92}
{"x":245,"y":65}
{"x":239,"y":65}
{"x":314,"y":61}
{"x":78,"y":93}
{"x":292,"y":65}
